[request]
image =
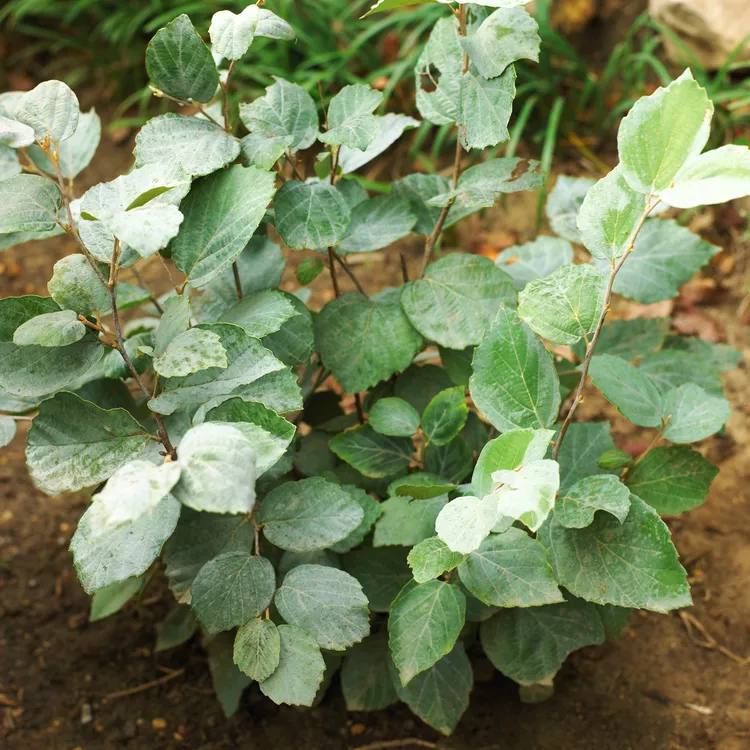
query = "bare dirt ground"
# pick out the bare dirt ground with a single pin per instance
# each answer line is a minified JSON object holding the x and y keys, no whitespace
{"x":674,"y":682}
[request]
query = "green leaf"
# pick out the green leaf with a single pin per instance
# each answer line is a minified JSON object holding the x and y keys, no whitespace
{"x":390,"y":128}
{"x":383,"y":572}
{"x":286,"y":111}
{"x":666,"y":256}
{"x":198,"y":538}
{"x":534,"y":260}
{"x":566,"y":305}
{"x":440,"y":694}
{"x":629,"y":339}
{"x":350,"y":119}
{"x":192,"y":351}
{"x":717,"y":176}
{"x":365,"y":675}
{"x":372,"y":511}
{"x":609,"y":216}
{"x":177,"y":628}
{"x":260,"y":313}
{"x":309,"y":514}
{"x":308,"y":270}
{"x":670,"y":368}
{"x":371,"y":453}
{"x":50,"y":329}
{"x":614,"y":459}
{"x":228,"y":682}
{"x":218,"y":470}
{"x":51,"y":109}
{"x":510,"y":570}
{"x":406,"y":522}
{"x":693,"y":414}
{"x":260,"y":266}
{"x":672,"y":480}
{"x":630,"y":564}
{"x":277,"y":390}
{"x":294,"y":342}
{"x":232,"y":34}
{"x":457,"y":299}
{"x":74,"y":444}
{"x":145,"y":229}
{"x":377,"y":223}
{"x":133,"y":491}
{"x":221,"y":213}
{"x":310,"y":215}
{"x":507,"y":35}
{"x":394,"y":416}
{"x":383,"y":5}
{"x":174,"y":321}
{"x":452,"y":461}
{"x":575,"y":508}
{"x":247,"y":361}
{"x":257,"y":150}
{"x":326,"y":603}
{"x":445,"y":416}
{"x":197,"y":145}
{"x":527,"y":493}
{"x":632,"y":392}
{"x":10,"y":166}
{"x":465,"y":522}
{"x":231,"y":589}
{"x":74,"y":154}
{"x":564,"y":204}
{"x":290,"y":560}
{"x":509,"y":451}
{"x":257,"y":647}
{"x":363,"y":341}
{"x":28,"y":203}
{"x":662,"y":132}
{"x":417,"y":385}
{"x":423,"y":626}
{"x":14,"y":134}
{"x":7,"y":430}
{"x":579,"y":452}
{"x":486,"y":107}
{"x":180,"y":64}
{"x":114,"y":597}
{"x":267,"y":432}
{"x":514,"y":382}
{"x":417,"y":190}
{"x":431,"y":558}
{"x":300,"y":671}
{"x":128,"y":550}
{"x":457,"y":363}
{"x":529,"y":645}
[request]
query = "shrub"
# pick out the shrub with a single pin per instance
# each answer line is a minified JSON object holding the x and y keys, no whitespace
{"x":389,"y":539}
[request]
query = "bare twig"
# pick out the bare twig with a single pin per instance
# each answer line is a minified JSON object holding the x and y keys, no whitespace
{"x":142,"y":283}
{"x":709,"y":642}
{"x":578,"y":396}
{"x":293,"y":165}
{"x":237,"y":280}
{"x":145,"y":686}
{"x":406,"y":742}
{"x":349,"y":272}
{"x":360,"y":410}
{"x":225,"y":89}
{"x":332,"y":268}
{"x":404,"y":267}
{"x":654,"y":442}
{"x":186,"y":103}
{"x":429,"y":245}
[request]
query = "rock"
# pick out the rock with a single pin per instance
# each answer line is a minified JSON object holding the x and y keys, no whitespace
{"x":712,"y":30}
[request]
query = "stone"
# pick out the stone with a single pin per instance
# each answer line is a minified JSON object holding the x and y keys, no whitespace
{"x":711,"y":29}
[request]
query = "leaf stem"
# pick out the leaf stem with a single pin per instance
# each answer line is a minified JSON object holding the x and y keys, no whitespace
{"x":332,"y":268}
{"x":429,"y":245}
{"x":349,"y":272}
{"x":186,"y":103}
{"x":225,"y":88}
{"x":237,"y":280}
{"x":293,"y":165}
{"x":578,"y":396}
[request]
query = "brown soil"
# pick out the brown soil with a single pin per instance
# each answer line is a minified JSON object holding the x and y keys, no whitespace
{"x":663,"y":686}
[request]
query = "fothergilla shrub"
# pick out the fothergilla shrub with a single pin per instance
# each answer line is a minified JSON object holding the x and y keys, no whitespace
{"x":458,"y":505}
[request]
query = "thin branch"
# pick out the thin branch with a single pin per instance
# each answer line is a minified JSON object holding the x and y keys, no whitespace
{"x":237,"y":279}
{"x":186,"y":103}
{"x":225,"y":88}
{"x":332,"y":269}
{"x":144,"y":686}
{"x":349,"y":272}
{"x":404,"y":267}
{"x":293,"y":165}
{"x":140,"y":280}
{"x":389,"y":744}
{"x":578,"y":396}
{"x":360,"y":410}
{"x":429,"y":245}
{"x":654,"y":442}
